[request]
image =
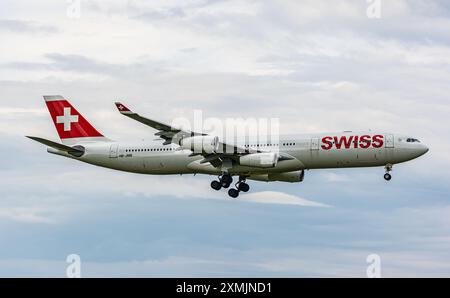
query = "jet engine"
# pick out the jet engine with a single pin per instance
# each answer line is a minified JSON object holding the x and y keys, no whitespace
{"x":259,"y":160}
{"x":296,"y":176}
{"x":201,"y":144}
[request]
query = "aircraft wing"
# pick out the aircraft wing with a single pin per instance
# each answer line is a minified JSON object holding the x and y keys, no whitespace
{"x":175,"y":135}
{"x":168,"y":133}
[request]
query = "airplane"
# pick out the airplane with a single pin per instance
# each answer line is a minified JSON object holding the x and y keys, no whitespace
{"x":187,"y":152}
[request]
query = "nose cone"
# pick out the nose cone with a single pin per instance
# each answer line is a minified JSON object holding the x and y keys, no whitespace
{"x":423,"y":149}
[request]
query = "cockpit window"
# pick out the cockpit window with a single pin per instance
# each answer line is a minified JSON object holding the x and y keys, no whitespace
{"x":411,"y":140}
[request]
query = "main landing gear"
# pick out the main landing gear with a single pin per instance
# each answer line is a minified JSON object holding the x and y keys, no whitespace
{"x":225,"y":181}
{"x":388,"y":176}
{"x":240,"y":186}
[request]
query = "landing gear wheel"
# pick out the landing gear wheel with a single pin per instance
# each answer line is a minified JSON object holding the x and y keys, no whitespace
{"x":387,"y":177}
{"x":226,"y":180}
{"x":234,"y":193}
{"x":216,"y":185}
{"x":243,"y":187}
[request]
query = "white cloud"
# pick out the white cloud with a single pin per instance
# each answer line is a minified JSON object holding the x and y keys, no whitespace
{"x":27,"y":214}
{"x":6,"y":110}
{"x":336,"y":177}
{"x":275,"y":197}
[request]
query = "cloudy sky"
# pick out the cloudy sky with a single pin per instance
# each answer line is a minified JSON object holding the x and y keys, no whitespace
{"x":316,"y":65}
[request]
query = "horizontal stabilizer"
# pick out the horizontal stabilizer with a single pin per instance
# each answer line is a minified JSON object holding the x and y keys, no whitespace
{"x":71,"y":150}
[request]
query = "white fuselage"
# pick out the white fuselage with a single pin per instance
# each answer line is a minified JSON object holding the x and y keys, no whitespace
{"x":312,"y":151}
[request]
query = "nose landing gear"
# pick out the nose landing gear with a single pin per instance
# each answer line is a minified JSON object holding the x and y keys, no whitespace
{"x":388,"y":176}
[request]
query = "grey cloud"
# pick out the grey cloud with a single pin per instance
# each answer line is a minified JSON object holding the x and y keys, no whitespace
{"x":20,"y":26}
{"x":325,"y":72}
{"x":82,"y":64}
{"x":313,"y":242}
{"x":423,"y":21}
{"x":162,"y":14}
{"x":139,"y":10}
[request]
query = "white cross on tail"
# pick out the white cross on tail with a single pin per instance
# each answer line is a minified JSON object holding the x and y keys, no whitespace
{"x":67,"y":119}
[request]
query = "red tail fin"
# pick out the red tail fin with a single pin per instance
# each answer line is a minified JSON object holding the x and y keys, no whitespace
{"x":69,"y":123}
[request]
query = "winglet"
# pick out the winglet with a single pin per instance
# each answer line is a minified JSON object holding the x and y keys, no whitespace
{"x":122,"y":108}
